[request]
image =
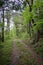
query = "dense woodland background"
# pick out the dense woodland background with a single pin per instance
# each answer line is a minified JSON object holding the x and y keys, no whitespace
{"x":20,"y":19}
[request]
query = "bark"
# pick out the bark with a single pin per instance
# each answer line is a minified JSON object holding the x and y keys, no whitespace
{"x":3,"y":28}
{"x":31,"y":20}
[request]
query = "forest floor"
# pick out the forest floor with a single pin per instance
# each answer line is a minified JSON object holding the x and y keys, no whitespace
{"x":22,"y":54}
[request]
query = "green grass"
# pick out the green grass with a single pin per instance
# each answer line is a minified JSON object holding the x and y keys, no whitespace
{"x":5,"y":52}
{"x":24,"y":55}
{"x":39,"y":48}
{"x":6,"y":47}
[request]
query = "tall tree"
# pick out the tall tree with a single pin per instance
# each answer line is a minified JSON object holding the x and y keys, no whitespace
{"x":8,"y":21}
{"x":3,"y":27}
{"x":1,"y":5}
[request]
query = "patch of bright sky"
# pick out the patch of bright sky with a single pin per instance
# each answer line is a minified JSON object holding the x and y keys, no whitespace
{"x":11,"y":0}
{"x":14,"y":11}
{"x":17,"y":0}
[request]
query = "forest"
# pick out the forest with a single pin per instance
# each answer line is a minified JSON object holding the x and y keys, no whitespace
{"x":21,"y":32}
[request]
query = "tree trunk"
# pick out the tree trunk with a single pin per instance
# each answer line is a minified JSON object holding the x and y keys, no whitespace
{"x":30,"y":10}
{"x":8,"y":22}
{"x":3,"y":28}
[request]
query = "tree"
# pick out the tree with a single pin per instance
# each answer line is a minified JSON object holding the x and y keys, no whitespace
{"x":8,"y":21}
{"x":33,"y":18}
{"x":30,"y":20}
{"x":3,"y":27}
{"x":1,"y":5}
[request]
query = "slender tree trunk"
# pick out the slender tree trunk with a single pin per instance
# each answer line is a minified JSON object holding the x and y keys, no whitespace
{"x":8,"y":22}
{"x":30,"y":21}
{"x":3,"y":28}
{"x":30,"y":10}
{"x":8,"y":25}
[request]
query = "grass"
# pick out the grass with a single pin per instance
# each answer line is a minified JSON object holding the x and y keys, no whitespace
{"x":24,"y":55}
{"x":6,"y":48}
{"x":5,"y":52}
{"x":39,"y":47}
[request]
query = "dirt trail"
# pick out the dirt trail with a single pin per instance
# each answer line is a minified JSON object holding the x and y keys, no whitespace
{"x":15,"y":54}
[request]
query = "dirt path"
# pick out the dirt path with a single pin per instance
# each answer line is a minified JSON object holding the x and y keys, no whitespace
{"x":15,"y":54}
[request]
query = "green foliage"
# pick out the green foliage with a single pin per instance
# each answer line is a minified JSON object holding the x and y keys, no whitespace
{"x":39,"y":47}
{"x":1,"y":3}
{"x":17,"y":19}
{"x":36,"y":14}
{"x":13,"y":33}
{"x":26,"y":15}
{"x":1,"y":24}
{"x":38,"y":25}
{"x":5,"y":51}
{"x":24,"y":35}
